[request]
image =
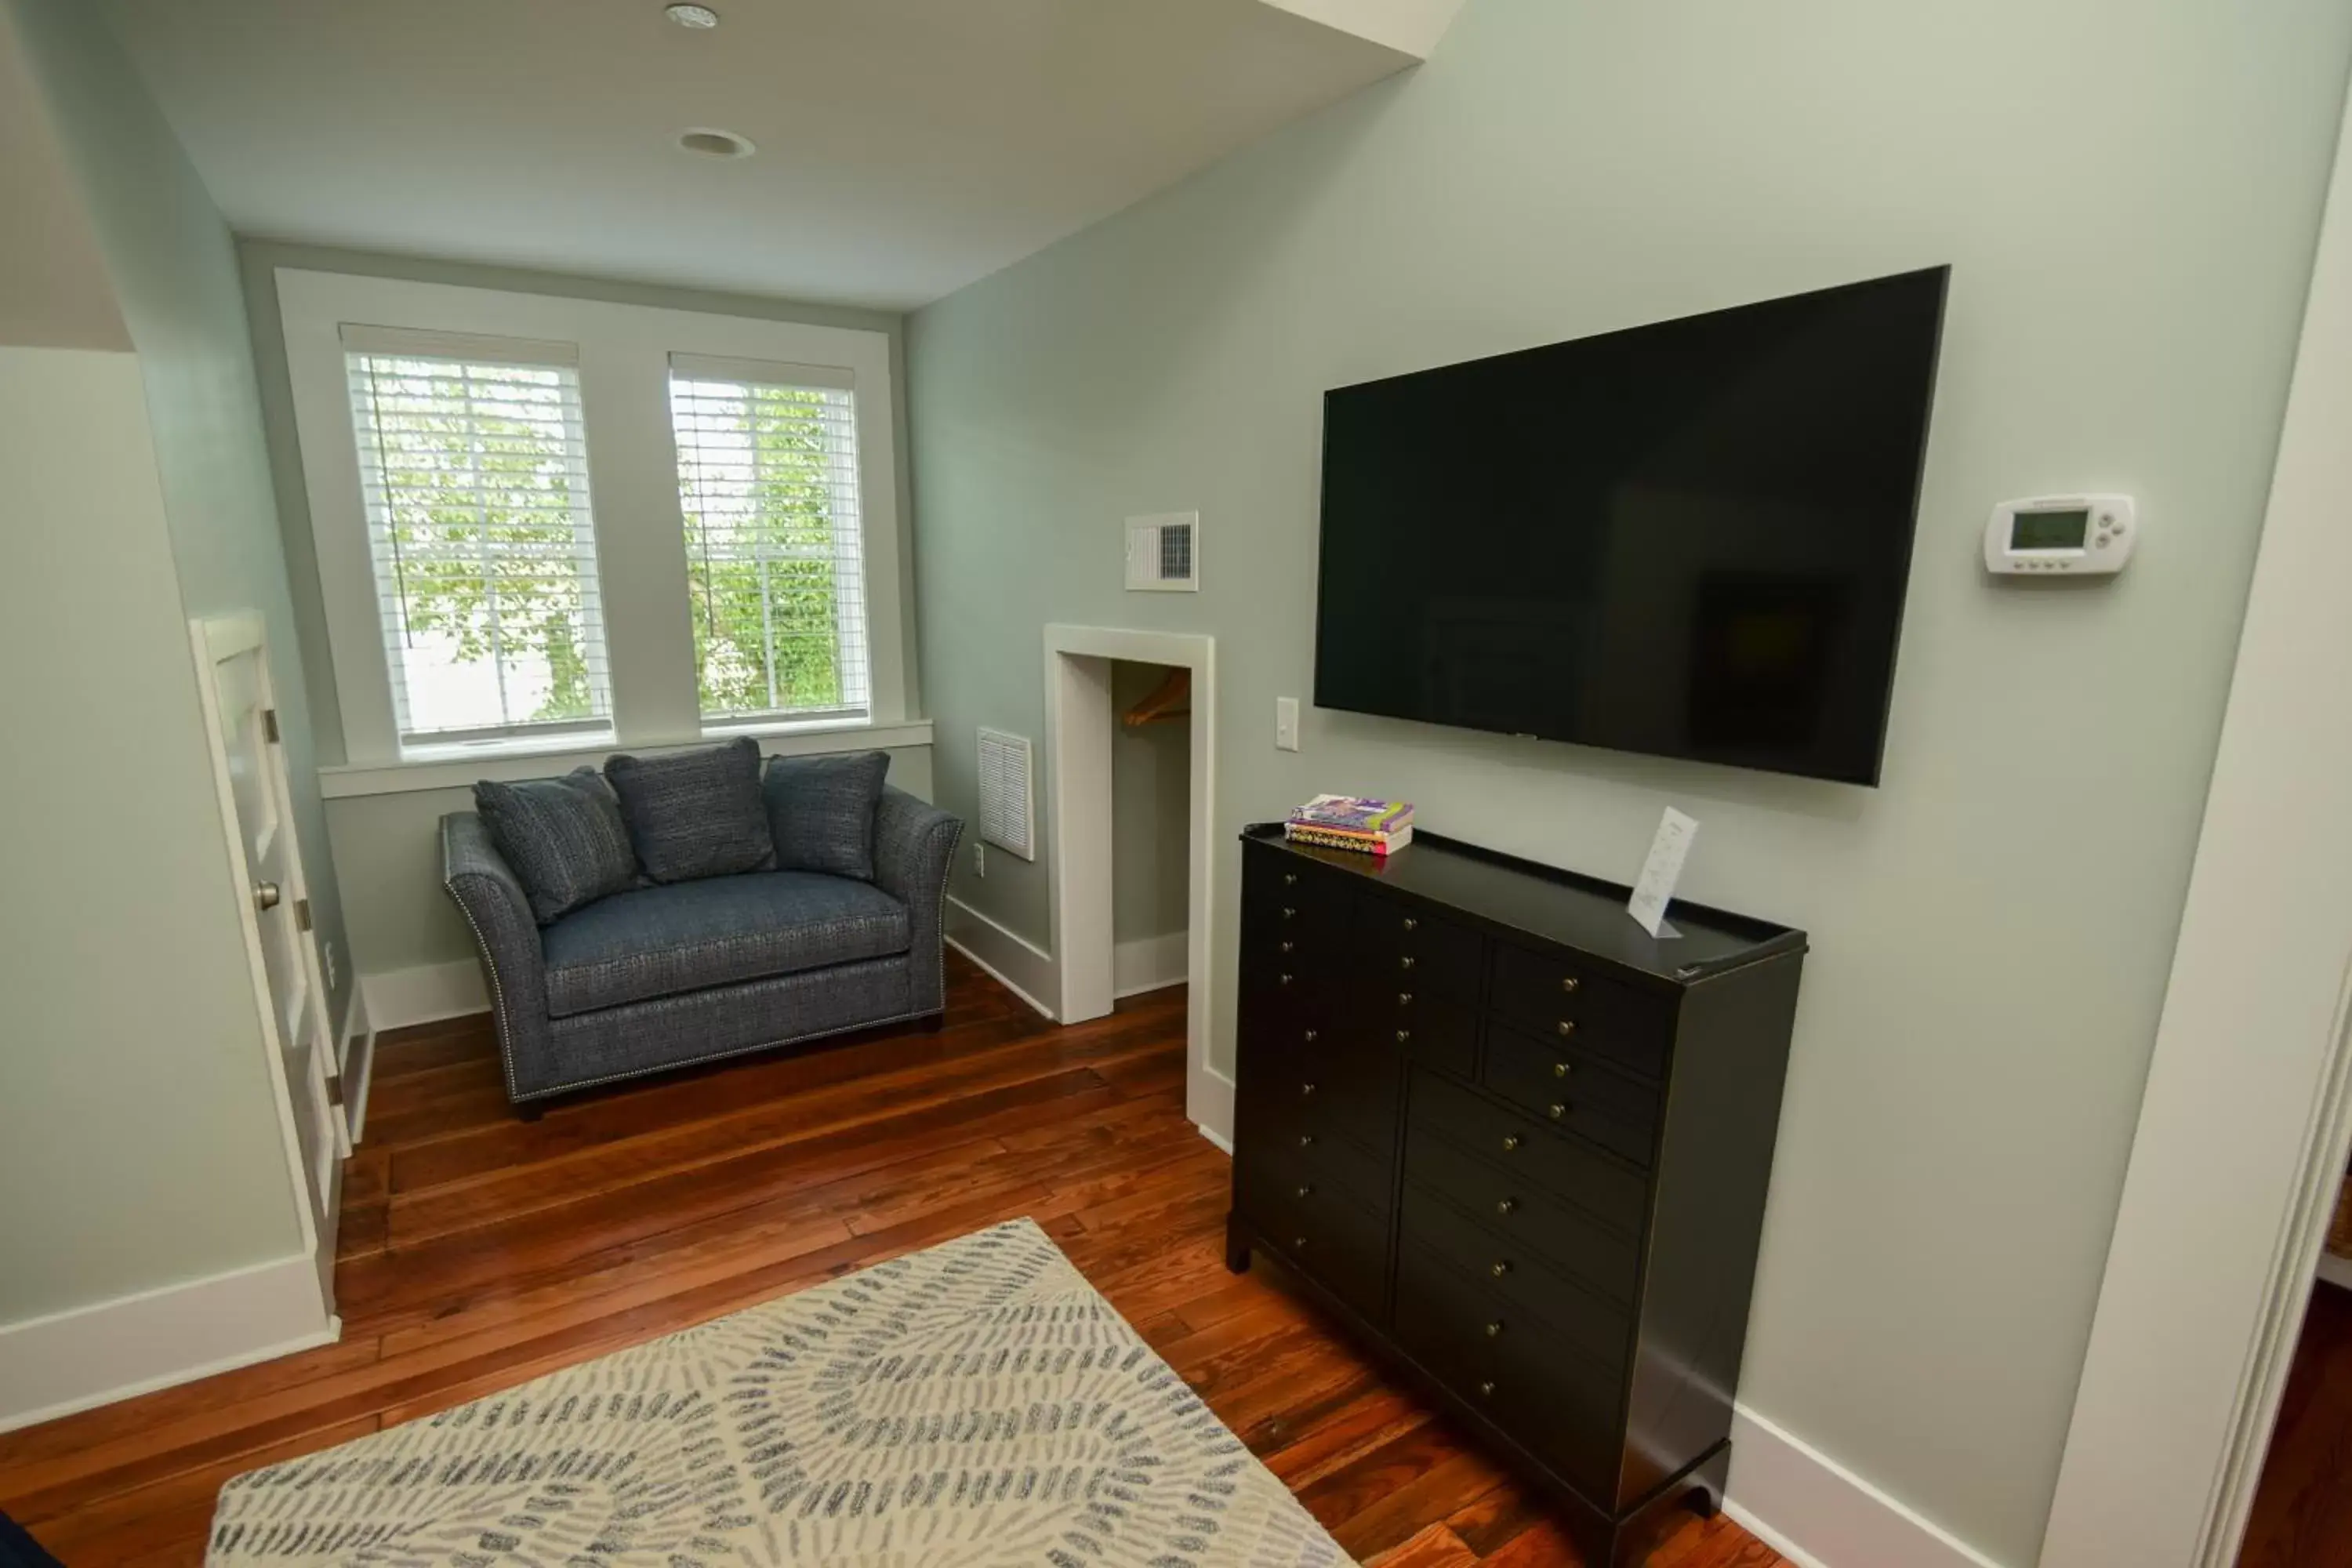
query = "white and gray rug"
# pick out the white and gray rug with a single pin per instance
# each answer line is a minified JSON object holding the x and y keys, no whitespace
{"x":974,"y":1404}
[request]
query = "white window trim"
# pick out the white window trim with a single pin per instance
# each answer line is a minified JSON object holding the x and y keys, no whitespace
{"x":625,"y":355}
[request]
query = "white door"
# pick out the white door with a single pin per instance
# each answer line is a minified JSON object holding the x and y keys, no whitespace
{"x":249,"y":766}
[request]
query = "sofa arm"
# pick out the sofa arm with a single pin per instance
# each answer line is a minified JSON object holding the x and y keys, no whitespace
{"x":914,"y":848}
{"x":492,"y":900}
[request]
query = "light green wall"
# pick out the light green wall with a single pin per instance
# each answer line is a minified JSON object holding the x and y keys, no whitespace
{"x":139,"y":1139}
{"x":173,"y":266}
{"x":1150,"y":790}
{"x":2128,"y":191}
{"x":390,"y":844}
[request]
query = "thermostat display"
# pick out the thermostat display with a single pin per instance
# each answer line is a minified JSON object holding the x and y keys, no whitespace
{"x":2086,"y":535}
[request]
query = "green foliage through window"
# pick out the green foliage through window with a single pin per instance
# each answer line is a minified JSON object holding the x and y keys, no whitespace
{"x":768,"y":482}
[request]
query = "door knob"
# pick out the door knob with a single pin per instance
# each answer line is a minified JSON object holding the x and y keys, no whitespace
{"x":266,"y":895}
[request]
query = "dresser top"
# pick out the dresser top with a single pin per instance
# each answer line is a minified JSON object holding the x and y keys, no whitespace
{"x":1511,"y":896}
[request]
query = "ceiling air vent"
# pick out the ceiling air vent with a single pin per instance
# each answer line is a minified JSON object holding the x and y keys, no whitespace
{"x":1006,"y":817}
{"x":1163,"y":552}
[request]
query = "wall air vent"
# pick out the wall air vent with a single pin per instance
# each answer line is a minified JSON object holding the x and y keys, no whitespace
{"x":1163,"y":552}
{"x":1007,"y":818}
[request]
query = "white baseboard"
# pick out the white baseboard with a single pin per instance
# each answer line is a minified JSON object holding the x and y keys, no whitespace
{"x":1213,"y":1136}
{"x":97,"y":1354}
{"x":1819,"y":1514}
{"x":1148,"y":964}
{"x":1018,"y":965}
{"x":427,"y":993}
{"x":2335,"y":1270}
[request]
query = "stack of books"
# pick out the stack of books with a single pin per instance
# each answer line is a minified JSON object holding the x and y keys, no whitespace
{"x":1351,"y":822}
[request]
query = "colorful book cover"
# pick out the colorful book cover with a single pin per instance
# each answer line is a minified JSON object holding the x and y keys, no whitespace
{"x":1354,"y":813}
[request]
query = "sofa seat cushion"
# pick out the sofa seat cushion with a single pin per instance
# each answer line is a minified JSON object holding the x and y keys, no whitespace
{"x":688,"y":936}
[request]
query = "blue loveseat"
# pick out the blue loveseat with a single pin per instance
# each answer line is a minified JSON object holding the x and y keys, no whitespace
{"x":666,"y":975}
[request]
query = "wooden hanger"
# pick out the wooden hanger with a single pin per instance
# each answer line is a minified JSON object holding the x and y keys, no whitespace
{"x":1171,"y":700}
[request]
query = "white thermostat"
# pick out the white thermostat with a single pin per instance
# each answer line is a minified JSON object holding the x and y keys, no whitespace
{"x":2090,"y":536}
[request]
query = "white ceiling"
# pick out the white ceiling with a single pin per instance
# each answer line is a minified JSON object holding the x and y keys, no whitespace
{"x":906,"y":147}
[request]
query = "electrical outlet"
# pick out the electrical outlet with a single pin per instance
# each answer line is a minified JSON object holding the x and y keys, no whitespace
{"x":1285,"y":723}
{"x":979,"y":858}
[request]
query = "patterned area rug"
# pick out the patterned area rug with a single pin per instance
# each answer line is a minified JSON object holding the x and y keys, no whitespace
{"x":977,"y":1404}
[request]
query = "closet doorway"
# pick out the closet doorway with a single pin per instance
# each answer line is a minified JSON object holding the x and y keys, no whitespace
{"x":1088,"y":702}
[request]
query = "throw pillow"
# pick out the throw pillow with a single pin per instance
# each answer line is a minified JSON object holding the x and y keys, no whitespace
{"x":564,"y":839}
{"x":695,"y":813}
{"x":820,"y":812}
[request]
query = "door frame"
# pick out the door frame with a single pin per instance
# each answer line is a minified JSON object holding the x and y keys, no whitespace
{"x":1079,"y":727}
{"x":2247,"y":1120}
{"x":215,"y":639}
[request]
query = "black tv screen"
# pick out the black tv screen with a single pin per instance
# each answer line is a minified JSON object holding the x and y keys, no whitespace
{"x":1688,"y":538}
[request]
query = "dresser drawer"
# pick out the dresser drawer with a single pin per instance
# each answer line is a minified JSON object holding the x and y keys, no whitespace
{"x":1421,"y":951}
{"x":1516,"y":1369}
{"x":1559,"y":998}
{"x":1343,"y":1093}
{"x":1322,"y":1232}
{"x":1429,"y":1028}
{"x":1312,"y":1147}
{"x":1431,"y":1227}
{"x":1495,"y":1142}
{"x":1570,"y":1089}
{"x":1537,"y":1223}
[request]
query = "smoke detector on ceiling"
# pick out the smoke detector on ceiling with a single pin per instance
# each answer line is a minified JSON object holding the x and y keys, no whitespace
{"x":702,"y":18}
{"x":711,"y":143}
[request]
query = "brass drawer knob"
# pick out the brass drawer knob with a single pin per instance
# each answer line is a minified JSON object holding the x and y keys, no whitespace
{"x":1567,"y":984}
{"x":1405,"y":962}
{"x":1311,"y":1037}
{"x":1286,"y":977}
{"x":1506,"y":1205}
{"x":1559,"y":1109}
{"x":1306,"y":1190}
{"x":1501,"y":1266}
{"x":1403,"y":1034}
{"x":1289,"y":913}
{"x":1290,"y":879}
{"x":1306,"y":1140}
{"x":1561,"y":1069}
{"x":1495,"y":1330}
{"x":1405,"y":998}
{"x":1305,"y":1089}
{"x":1297,"y":1244}
{"x":1411,"y":924}
{"x":1510,"y":1142}
{"x":1288,"y":944}
{"x":1567,"y":1026}
{"x":1487,"y":1389}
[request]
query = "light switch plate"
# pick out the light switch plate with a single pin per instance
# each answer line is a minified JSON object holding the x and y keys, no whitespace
{"x":1285,"y":723}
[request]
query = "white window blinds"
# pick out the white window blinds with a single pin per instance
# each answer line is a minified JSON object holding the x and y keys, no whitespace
{"x":767,"y":472}
{"x":473,"y":472}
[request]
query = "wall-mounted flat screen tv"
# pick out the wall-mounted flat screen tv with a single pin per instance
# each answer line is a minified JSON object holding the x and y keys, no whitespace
{"x":1689,"y":538}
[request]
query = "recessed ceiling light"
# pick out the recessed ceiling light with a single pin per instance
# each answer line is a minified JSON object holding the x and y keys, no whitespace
{"x":714,"y":143}
{"x":698,"y":16}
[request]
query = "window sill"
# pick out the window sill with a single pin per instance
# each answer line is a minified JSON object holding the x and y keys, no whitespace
{"x":343,"y":781}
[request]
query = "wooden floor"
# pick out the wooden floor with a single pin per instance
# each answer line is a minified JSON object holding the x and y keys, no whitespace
{"x":478,"y":1251}
{"x":2303,"y":1511}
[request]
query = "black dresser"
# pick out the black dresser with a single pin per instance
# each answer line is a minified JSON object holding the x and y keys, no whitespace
{"x":1520,"y":1146}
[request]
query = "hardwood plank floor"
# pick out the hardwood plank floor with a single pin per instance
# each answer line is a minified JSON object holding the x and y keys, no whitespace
{"x":477,"y":1251}
{"x":2302,"y":1509}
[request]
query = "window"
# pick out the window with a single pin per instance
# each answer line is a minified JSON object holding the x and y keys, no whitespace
{"x":474,"y":480}
{"x":736,"y":571}
{"x":767,"y":474}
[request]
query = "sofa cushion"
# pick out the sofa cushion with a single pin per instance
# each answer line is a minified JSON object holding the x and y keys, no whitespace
{"x":695,"y":813}
{"x":820,"y":812}
{"x":661,"y":941}
{"x":563,"y":837}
